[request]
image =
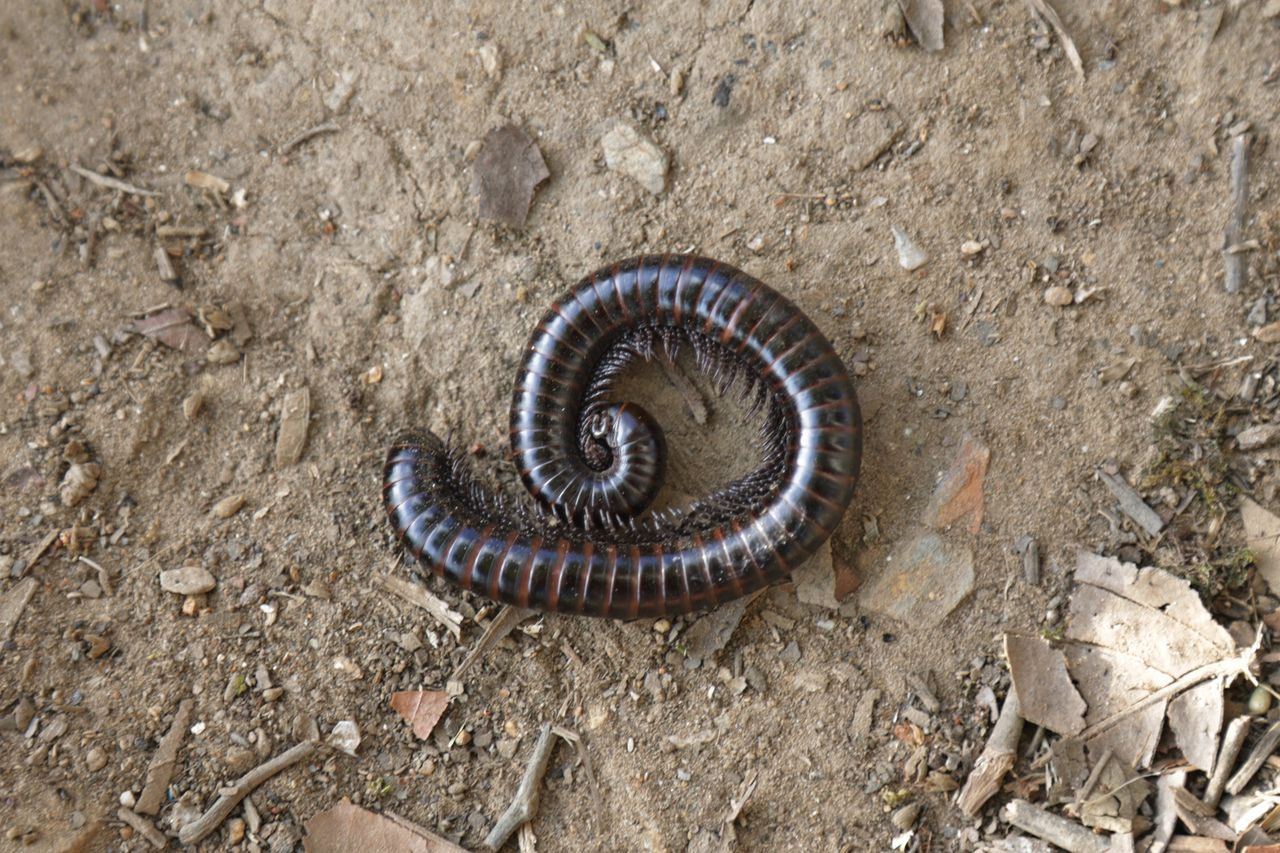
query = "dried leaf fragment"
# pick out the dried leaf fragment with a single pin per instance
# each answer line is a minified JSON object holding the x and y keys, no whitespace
{"x":507,"y":169}
{"x":173,"y":328}
{"x":1046,"y":695}
{"x":346,"y":827}
{"x":421,"y":708}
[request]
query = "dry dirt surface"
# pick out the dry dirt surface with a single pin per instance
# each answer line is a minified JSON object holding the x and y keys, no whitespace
{"x":352,"y":264}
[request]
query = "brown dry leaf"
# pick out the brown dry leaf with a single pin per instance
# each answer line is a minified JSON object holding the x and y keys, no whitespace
{"x":347,"y":827}
{"x":960,"y":492}
{"x":1046,"y":695}
{"x":924,"y":19}
{"x":1135,"y":631}
{"x":1262,"y":530}
{"x":422,"y":708}
{"x":173,"y":328}
{"x":507,"y":169}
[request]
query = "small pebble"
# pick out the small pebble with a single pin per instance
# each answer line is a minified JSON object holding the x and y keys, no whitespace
{"x":463,"y":738}
{"x":235,"y":831}
{"x":95,"y":759}
{"x":1259,"y":701}
{"x":228,"y":506}
{"x":910,"y":256}
{"x":905,"y":817}
{"x":223,"y":352}
{"x":661,"y":626}
{"x":1058,"y":296}
{"x":188,"y":580}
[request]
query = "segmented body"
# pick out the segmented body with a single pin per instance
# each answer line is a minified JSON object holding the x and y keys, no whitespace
{"x":593,"y":463}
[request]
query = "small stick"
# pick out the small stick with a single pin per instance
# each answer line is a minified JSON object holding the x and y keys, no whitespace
{"x":499,"y":626}
{"x":164,"y":762}
{"x":143,"y":827}
{"x":309,"y":133}
{"x":525,"y":802}
{"x":1237,"y":263}
{"x":1132,"y":504}
{"x":996,"y":760}
{"x":193,"y":832}
{"x":55,"y":207}
{"x":1067,"y":834}
{"x":1232,"y":742}
{"x":179,"y":231}
{"x":1094,"y":776}
{"x":1257,"y":756}
{"x":110,"y":182}
{"x":415,"y":594}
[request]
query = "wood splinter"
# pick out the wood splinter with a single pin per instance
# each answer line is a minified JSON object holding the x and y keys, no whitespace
{"x":996,"y":760}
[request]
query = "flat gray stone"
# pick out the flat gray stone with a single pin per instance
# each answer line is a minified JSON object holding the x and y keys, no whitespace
{"x":922,"y":581}
{"x":188,"y":580}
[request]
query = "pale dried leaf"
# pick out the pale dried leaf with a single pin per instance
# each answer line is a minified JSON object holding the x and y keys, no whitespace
{"x":1046,"y":695}
{"x":1136,"y":631}
{"x":1262,"y":532}
{"x":422,"y":708}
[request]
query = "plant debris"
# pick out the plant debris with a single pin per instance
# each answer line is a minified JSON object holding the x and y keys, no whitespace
{"x":173,"y":328}
{"x":421,"y":708}
{"x":345,"y":827}
{"x":507,"y":170}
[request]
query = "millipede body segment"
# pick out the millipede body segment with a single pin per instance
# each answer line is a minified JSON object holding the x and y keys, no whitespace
{"x":593,"y":464}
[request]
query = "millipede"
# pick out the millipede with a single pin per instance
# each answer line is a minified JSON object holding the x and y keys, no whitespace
{"x":585,"y":544}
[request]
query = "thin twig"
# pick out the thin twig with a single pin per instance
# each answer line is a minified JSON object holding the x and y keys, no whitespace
{"x":1237,"y":263}
{"x":525,"y":803}
{"x":499,"y":626}
{"x":1044,"y":10}
{"x":576,"y":739}
{"x":193,"y":832}
{"x":415,"y":594}
{"x":110,"y":182}
{"x":327,"y":127}
{"x":143,"y":827}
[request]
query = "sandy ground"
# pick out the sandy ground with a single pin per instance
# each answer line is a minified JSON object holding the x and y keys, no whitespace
{"x":797,"y":138}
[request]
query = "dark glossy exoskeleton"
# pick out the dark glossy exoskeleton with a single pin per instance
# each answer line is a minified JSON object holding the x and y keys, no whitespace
{"x":594,"y":465}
